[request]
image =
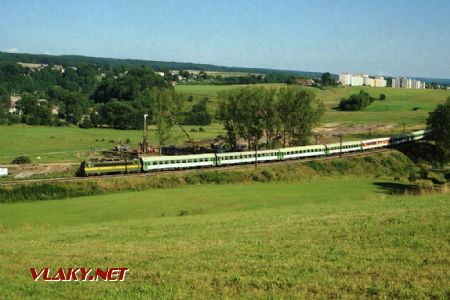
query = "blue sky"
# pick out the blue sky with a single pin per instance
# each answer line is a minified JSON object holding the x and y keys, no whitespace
{"x":398,"y":37}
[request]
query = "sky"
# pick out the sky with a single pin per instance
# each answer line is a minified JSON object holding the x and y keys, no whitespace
{"x":382,"y":37}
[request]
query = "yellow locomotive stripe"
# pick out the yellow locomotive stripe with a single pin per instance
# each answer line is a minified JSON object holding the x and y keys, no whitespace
{"x":112,"y":168}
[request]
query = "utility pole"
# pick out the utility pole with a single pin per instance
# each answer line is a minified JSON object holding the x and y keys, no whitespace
{"x":145,"y":139}
{"x":370,"y":131}
{"x":256,"y":154}
{"x":317,"y":135}
{"x":340,"y":148}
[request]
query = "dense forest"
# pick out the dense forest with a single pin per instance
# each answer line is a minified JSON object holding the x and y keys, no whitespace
{"x":85,"y":94}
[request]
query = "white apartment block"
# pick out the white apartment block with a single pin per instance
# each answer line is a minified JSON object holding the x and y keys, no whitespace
{"x":345,"y":78}
{"x":379,"y":82}
{"x":408,"y":83}
{"x":396,"y":83}
{"x":361,"y":79}
{"x":357,"y":80}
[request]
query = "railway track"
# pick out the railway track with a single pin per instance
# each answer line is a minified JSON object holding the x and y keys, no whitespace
{"x":186,"y":171}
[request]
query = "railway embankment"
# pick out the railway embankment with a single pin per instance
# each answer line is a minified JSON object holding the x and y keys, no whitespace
{"x":392,"y":165}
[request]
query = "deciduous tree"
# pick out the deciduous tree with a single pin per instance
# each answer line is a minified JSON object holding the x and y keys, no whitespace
{"x":438,"y":123}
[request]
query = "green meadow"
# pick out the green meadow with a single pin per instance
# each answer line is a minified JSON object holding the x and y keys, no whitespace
{"x":72,"y":144}
{"x":407,"y":106}
{"x":328,"y":238}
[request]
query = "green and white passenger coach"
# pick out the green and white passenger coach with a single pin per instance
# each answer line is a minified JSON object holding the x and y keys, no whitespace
{"x":159,"y":163}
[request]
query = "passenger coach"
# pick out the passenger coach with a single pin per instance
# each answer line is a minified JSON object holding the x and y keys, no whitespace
{"x":154,"y":163}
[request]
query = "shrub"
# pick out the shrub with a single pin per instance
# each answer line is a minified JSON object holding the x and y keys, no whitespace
{"x":21,"y":160}
{"x":182,"y":213}
{"x":382,"y":97}
{"x":356,"y":102}
{"x":86,"y":123}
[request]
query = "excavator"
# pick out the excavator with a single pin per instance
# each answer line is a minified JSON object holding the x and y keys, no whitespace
{"x":190,"y":141}
{"x":144,"y":147}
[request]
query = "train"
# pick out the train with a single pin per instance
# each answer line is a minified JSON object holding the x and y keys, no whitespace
{"x":210,"y":160}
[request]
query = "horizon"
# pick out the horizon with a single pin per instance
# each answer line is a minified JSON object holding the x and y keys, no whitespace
{"x":238,"y":67}
{"x":387,"y":38}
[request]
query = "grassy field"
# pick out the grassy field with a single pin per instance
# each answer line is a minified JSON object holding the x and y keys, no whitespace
{"x":73,"y":144}
{"x":407,"y":106}
{"x":323,"y":239}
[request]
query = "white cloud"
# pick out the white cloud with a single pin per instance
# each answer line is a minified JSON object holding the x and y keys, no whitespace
{"x":11,"y":50}
{"x":47,"y":53}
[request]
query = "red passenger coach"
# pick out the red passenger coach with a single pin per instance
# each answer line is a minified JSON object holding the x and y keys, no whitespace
{"x":375,"y":143}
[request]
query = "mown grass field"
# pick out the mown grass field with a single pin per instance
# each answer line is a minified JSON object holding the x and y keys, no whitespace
{"x":337,"y":237}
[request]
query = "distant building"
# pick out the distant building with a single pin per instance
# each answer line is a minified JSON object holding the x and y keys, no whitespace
{"x":12,"y":107}
{"x":361,"y":79}
{"x":396,"y":83}
{"x":38,"y":67}
{"x":357,"y":80}
{"x":345,"y":78}
{"x":379,"y":82}
{"x":408,"y":83}
{"x":55,"y":110}
{"x":367,"y":80}
{"x":42,"y":101}
{"x":307,"y":82}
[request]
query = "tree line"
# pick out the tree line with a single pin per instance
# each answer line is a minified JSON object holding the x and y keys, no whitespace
{"x":276,"y":117}
{"x":101,"y":62}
